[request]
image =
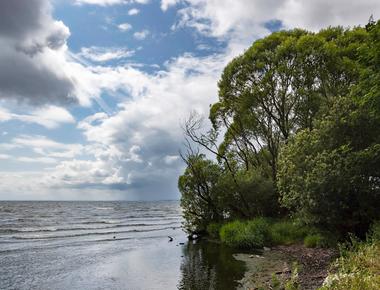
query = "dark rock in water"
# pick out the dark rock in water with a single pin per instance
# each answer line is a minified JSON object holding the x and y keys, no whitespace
{"x":170,"y":239}
{"x":114,"y":237}
{"x":181,"y":243}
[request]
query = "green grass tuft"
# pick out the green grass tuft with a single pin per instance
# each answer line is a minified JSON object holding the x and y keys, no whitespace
{"x":246,"y":235}
{"x":287,"y":232}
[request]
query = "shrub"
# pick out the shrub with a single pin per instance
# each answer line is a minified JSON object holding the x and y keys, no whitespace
{"x":287,"y":232}
{"x":314,"y":241}
{"x":246,"y":235}
{"x":232,"y":234}
{"x":258,"y":232}
{"x":357,"y":268}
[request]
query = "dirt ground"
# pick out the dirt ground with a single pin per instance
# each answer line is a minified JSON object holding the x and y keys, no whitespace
{"x":277,"y":264}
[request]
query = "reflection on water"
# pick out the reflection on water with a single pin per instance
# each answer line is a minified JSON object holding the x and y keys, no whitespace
{"x":208,"y":265}
{"x":107,"y":245}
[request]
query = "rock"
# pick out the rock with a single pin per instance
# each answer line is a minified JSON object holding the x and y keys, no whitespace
{"x":170,"y":239}
{"x":266,"y":249}
{"x":181,"y":243}
{"x":251,"y":256}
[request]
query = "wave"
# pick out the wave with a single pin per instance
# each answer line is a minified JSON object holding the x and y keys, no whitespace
{"x":35,"y":230}
{"x":38,"y":237}
{"x":77,"y":243}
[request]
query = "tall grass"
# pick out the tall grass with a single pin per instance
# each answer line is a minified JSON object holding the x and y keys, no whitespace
{"x":287,"y":232}
{"x":245,"y":235}
{"x":261,"y":232}
{"x":358,"y":266}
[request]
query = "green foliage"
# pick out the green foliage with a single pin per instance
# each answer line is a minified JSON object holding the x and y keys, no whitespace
{"x":300,"y":118}
{"x":293,"y":282}
{"x":287,"y":232}
{"x":199,"y":188}
{"x":259,"y":192}
{"x":357,"y":268}
{"x":314,"y":241}
{"x":246,"y":235}
{"x":261,"y":232}
{"x":329,"y":176}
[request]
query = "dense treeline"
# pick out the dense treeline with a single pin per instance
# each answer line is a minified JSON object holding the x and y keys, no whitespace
{"x":295,"y":133}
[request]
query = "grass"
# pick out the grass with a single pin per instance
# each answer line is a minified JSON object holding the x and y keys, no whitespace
{"x":314,"y":241}
{"x":259,"y":232}
{"x":246,"y":235}
{"x":358,"y":266}
{"x":287,"y":233}
{"x":360,"y":269}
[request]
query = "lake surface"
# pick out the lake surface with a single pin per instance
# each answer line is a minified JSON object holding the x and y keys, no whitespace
{"x":107,"y":245}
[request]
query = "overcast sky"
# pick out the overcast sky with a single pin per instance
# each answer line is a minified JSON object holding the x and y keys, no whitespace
{"x":93,"y":92}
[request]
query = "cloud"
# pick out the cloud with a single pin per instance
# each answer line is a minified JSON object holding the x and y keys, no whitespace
{"x":165,"y":4}
{"x":32,"y":48}
{"x":5,"y":156}
{"x":109,"y":2}
{"x":124,"y":26}
{"x":317,"y":14}
{"x":140,"y":35}
{"x":47,"y":148}
{"x":104,"y":54}
{"x":246,"y":19}
{"x":136,"y":149}
{"x":132,"y":151}
{"x":50,"y":117}
{"x":46,"y":160}
{"x":133,"y":11}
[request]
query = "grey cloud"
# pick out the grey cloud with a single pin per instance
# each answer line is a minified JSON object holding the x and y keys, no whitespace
{"x":31,"y":55}
{"x":19,"y":18}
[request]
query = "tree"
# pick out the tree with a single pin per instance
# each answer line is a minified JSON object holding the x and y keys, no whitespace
{"x":199,"y":199}
{"x":278,"y":86}
{"x":330,"y":176}
{"x":314,"y":97}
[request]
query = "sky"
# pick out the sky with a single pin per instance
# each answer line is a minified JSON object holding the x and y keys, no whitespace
{"x":93,"y":92}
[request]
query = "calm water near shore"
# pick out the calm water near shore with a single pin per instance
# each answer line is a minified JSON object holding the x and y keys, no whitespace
{"x":107,"y":245}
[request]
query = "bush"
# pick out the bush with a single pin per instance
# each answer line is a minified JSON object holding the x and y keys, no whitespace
{"x":314,"y":241}
{"x":258,"y":232}
{"x":246,"y":235}
{"x":287,"y":232}
{"x":232,"y":234}
{"x":357,"y":268}
{"x":213,"y":230}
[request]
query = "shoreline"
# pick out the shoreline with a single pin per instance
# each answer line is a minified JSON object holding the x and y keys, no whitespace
{"x":279,"y":262}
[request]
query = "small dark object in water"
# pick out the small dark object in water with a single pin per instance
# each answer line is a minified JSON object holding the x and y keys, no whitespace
{"x":170,"y":239}
{"x":181,"y":243}
{"x":114,"y":237}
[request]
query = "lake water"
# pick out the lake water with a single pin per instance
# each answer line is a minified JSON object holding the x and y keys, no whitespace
{"x":106,"y":245}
